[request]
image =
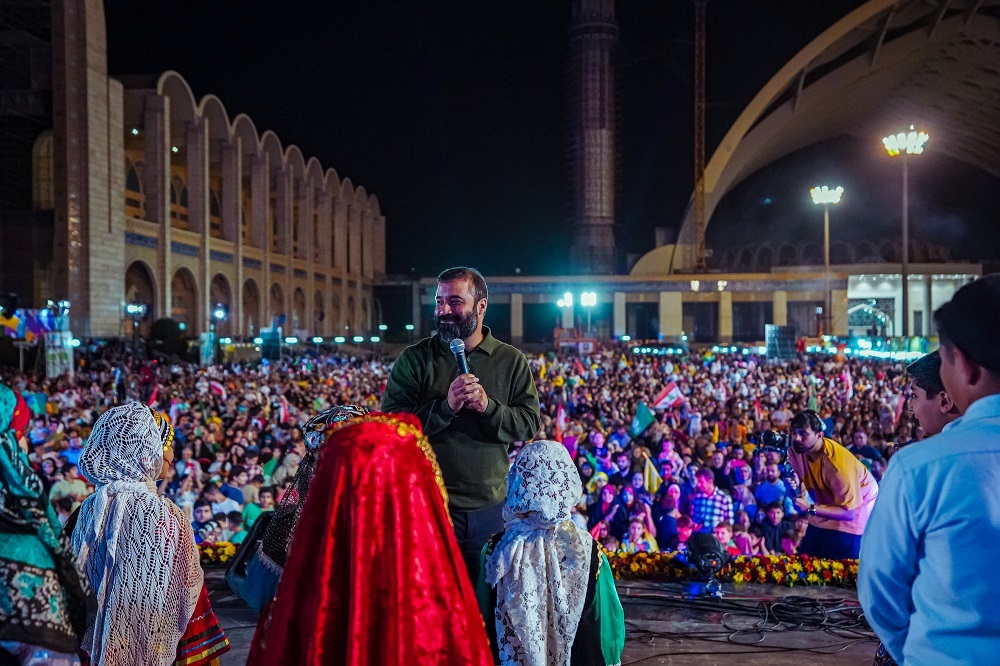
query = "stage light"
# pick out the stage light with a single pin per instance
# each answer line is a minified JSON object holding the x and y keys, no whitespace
{"x":409,"y":327}
{"x":358,"y":338}
{"x":707,"y":555}
{"x":375,"y":338}
{"x":258,"y":341}
{"x":220,"y":312}
{"x":340,"y":339}
{"x":383,"y":327}
{"x":75,"y":342}
{"x":225,"y":341}
{"x":291,"y":340}
{"x":626,"y":338}
{"x":317,"y":340}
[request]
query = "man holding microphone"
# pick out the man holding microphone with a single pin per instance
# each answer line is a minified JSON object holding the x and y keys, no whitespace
{"x":470,"y":418}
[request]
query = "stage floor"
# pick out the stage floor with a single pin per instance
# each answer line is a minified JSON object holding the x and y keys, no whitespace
{"x":666,"y":627}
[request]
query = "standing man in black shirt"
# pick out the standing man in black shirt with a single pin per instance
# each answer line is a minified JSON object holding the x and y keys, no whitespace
{"x":470,"y":419}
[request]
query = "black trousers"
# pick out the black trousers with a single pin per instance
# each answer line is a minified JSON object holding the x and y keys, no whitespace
{"x":830,"y":544}
{"x":473,"y":529}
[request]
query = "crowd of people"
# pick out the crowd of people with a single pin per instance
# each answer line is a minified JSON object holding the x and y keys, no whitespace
{"x":699,"y":466}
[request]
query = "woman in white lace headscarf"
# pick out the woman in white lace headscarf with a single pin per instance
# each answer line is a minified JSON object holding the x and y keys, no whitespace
{"x":553,"y":596}
{"x":136,"y":548}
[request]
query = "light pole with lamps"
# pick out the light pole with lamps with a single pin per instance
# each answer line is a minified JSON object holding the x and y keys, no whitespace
{"x":906,"y":143}
{"x":219,"y":314}
{"x":824,"y":196}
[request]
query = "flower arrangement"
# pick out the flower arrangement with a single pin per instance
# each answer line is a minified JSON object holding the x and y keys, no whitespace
{"x":773,"y":569}
{"x":219,"y":552}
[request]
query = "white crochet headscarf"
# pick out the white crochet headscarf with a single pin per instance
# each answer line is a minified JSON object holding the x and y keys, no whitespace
{"x":136,"y":548}
{"x":542,"y":564}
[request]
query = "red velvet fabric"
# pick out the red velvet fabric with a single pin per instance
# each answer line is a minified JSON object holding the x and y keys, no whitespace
{"x":375,"y":575}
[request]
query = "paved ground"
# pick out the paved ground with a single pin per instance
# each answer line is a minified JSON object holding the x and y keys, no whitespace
{"x":666,"y":626}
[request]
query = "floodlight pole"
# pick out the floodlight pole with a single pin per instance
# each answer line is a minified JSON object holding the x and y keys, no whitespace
{"x":827,"y":315}
{"x":905,"y":278}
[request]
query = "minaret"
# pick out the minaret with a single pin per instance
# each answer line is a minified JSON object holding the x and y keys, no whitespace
{"x":593,"y":41}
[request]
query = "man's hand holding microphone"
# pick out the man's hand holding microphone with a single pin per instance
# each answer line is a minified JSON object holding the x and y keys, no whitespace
{"x":465,"y":391}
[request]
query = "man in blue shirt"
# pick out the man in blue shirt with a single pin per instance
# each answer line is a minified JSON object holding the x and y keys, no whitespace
{"x":932,"y":540}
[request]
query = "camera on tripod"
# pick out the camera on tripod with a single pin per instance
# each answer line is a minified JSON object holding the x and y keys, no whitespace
{"x":777,"y":443}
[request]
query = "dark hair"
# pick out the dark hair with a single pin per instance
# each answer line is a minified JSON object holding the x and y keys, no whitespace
{"x":235,"y":517}
{"x":202,"y":502}
{"x":67,"y":467}
{"x":259,"y":478}
{"x":705,"y":473}
{"x":268,"y":489}
{"x":968,"y":322}
{"x":926,"y":373}
{"x":807,"y":419}
{"x":236,"y":471}
{"x":684,"y":522}
{"x":479,"y":290}
{"x":209,"y":488}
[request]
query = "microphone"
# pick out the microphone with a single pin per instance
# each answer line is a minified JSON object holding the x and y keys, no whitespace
{"x":458,"y":349}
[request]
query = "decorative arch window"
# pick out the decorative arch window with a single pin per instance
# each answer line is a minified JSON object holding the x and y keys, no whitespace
{"x":42,"y":196}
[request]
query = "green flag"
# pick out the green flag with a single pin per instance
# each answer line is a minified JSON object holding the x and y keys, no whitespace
{"x":644,"y":417}
{"x":813,"y":404}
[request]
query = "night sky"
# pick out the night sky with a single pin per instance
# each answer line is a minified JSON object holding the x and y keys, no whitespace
{"x":454,"y":115}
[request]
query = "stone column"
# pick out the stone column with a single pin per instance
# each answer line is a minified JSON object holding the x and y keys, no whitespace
{"x":928,"y":306}
{"x":196,"y":149}
{"x":618,"y":318}
{"x":838,"y":312}
{"x":232,"y":185}
{"x":725,"y":316}
{"x":260,"y":225}
{"x":367,"y":245}
{"x":340,"y":236}
{"x":378,"y":245}
{"x":415,"y":309}
{"x":156,"y":149}
{"x":516,"y":319}
{"x":671,"y":315}
{"x":779,"y":300}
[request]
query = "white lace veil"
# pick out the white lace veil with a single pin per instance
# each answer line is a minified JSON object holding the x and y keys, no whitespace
{"x":136,"y":548}
{"x":542,"y":564}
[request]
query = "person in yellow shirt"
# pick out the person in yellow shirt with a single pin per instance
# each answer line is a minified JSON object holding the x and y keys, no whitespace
{"x":837,"y":490}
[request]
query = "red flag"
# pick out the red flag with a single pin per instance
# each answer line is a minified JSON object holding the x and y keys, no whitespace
{"x":579,"y":366}
{"x":756,"y":410}
{"x":283,"y":410}
{"x":152,"y":398}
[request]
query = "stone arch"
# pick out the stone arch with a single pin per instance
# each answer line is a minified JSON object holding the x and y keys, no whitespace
{"x":765,"y":257}
{"x":220,"y":293}
{"x":276,"y":302}
{"x":788,"y":255}
{"x":184,"y":300}
{"x":299,"y":309}
{"x":251,"y":307}
{"x":333,"y":317}
{"x":42,"y":172}
{"x":812,"y":253}
{"x":140,"y":287}
{"x":841,"y":253}
{"x":351,"y":319}
{"x":318,"y":313}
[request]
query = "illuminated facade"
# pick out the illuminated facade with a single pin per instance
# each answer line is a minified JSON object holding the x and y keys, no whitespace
{"x":159,"y":198}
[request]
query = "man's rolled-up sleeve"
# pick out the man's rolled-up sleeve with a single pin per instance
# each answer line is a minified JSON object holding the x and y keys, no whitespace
{"x":888,"y":563}
{"x":519,"y":420}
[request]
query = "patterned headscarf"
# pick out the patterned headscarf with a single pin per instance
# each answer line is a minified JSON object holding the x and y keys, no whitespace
{"x":542,"y":564}
{"x":136,"y":548}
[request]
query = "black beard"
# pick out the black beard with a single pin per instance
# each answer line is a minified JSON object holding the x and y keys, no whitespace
{"x":463,"y":328}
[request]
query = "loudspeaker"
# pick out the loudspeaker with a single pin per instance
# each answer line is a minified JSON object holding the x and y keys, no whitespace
{"x":780,"y":341}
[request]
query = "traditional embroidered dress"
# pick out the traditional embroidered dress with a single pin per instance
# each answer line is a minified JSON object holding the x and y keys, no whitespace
{"x":43,"y":595}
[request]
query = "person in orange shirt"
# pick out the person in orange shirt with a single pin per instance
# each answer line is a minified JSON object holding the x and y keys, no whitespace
{"x":837,"y":490}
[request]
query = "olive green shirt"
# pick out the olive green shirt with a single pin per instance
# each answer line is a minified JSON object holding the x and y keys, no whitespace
{"x":470,"y":447}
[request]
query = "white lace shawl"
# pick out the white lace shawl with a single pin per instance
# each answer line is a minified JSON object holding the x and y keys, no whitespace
{"x":542,"y":564}
{"x":136,"y":548}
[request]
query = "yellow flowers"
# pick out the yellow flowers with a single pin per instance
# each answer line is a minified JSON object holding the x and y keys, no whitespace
{"x":780,"y":569}
{"x":219,"y":552}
